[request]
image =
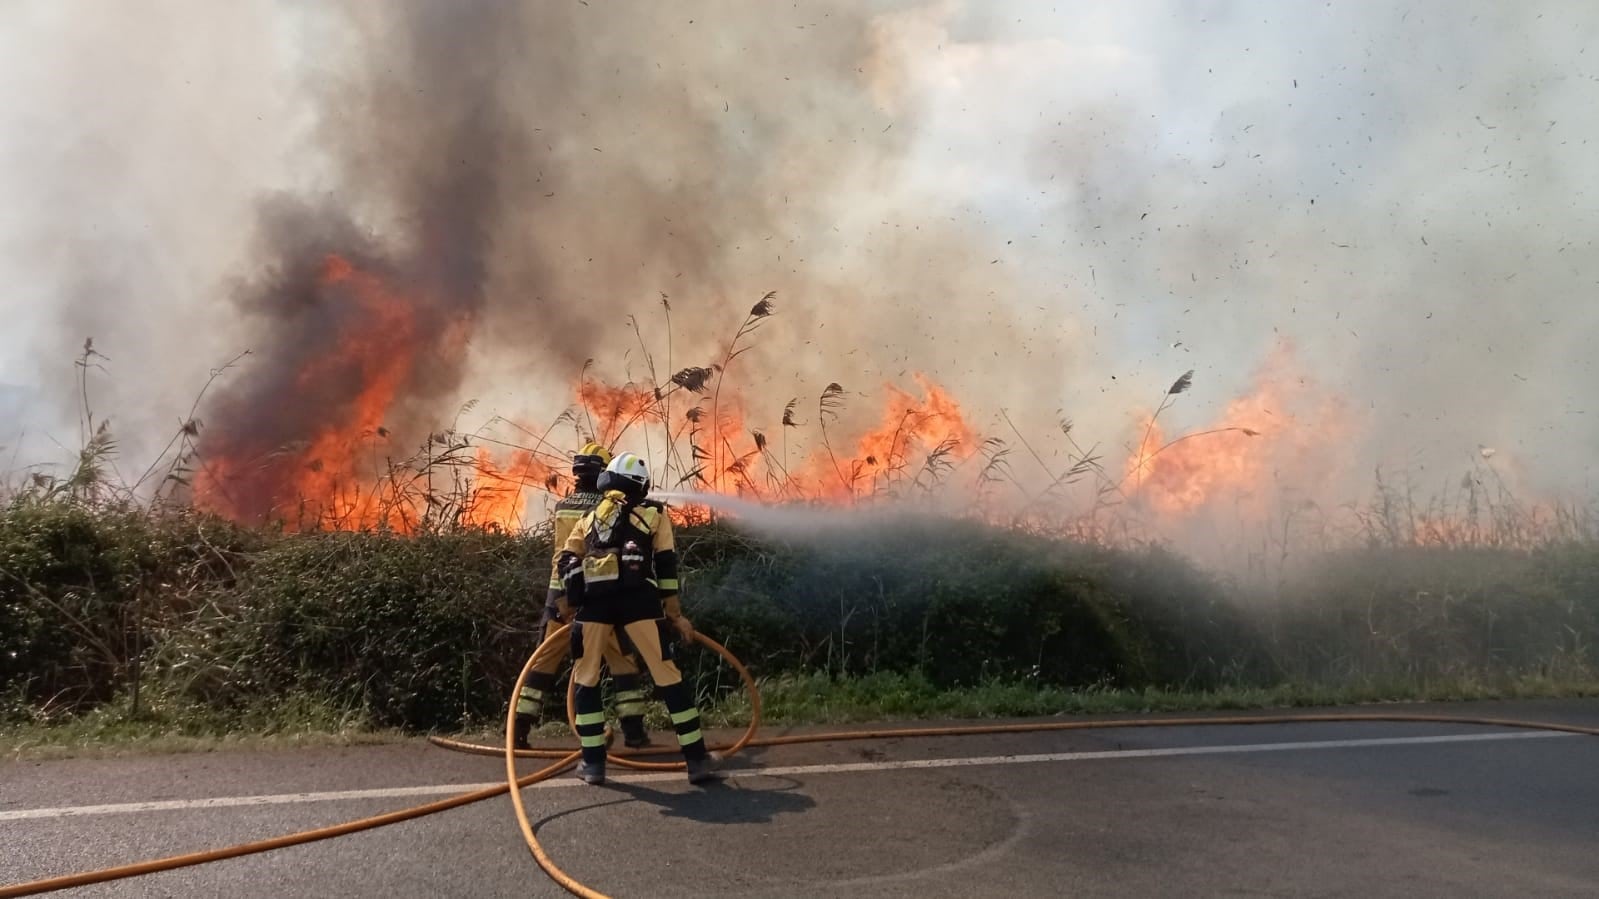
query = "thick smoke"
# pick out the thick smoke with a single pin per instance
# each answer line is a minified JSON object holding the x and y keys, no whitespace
{"x":133,"y":149}
{"x":1054,"y":211}
{"x":1403,"y":193}
{"x":569,"y":164}
{"x":363,"y":337}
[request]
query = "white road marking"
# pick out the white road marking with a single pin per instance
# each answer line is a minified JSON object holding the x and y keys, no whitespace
{"x":566,"y":781}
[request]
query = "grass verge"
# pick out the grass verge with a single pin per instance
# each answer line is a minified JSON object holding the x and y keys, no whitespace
{"x":792,"y":700}
{"x":167,"y":726}
{"x":897,"y":697}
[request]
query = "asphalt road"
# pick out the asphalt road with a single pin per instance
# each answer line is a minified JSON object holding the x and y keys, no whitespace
{"x":1267,"y":810}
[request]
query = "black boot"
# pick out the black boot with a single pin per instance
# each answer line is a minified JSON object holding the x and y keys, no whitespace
{"x":702,"y":770}
{"x":630,"y":709}
{"x":686,"y":721}
{"x":591,"y":733}
{"x":523,"y":726}
{"x":634,"y":735}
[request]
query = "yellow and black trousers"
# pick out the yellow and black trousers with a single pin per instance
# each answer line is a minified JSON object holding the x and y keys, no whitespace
{"x":541,"y":682}
{"x":649,"y":637}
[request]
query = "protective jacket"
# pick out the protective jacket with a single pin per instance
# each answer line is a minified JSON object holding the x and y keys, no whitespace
{"x":568,"y":512}
{"x":619,"y":562}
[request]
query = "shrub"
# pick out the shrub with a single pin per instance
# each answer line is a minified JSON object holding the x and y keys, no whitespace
{"x":86,"y":593}
{"x":963,"y":604}
{"x":429,"y":631}
{"x":1430,"y":613}
{"x":420,"y":632}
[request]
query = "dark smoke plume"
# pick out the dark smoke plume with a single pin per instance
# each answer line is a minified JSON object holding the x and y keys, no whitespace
{"x":1052,"y":209}
{"x":361,"y":337}
{"x":545,"y":168}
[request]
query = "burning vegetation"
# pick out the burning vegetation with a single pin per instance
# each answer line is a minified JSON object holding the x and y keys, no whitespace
{"x":306,"y":438}
{"x":348,"y":470}
{"x":485,"y":195}
{"x":342,"y":469}
{"x":333,"y":427}
{"x":335,"y":431}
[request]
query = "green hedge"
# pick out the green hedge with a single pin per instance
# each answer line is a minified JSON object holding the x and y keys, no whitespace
{"x":424,"y":632}
{"x":1424,"y":613}
{"x":429,"y":632}
{"x":964,"y":604}
{"x":88,"y":594}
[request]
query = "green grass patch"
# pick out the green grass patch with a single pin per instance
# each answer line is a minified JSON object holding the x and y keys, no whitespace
{"x":820,"y":699}
{"x":170,"y":726}
{"x":166,"y":724}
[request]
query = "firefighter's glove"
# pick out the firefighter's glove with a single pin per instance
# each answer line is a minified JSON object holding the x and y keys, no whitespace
{"x":571,"y":568}
{"x":574,"y":587}
{"x":685,"y":629}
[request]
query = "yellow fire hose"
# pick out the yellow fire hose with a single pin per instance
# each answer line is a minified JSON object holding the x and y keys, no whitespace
{"x":510,"y":751}
{"x":563,"y":760}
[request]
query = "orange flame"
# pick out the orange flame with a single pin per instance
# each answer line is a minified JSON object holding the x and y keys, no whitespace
{"x":613,"y":411}
{"x":729,"y":459}
{"x":1283,"y":428}
{"x":341,"y":476}
{"x":725,"y":455}
{"x":1222,"y":459}
{"x":913,"y":438}
{"x":324,"y":480}
{"x":500,"y":492}
{"x":921,"y":427}
{"x":332,"y":464}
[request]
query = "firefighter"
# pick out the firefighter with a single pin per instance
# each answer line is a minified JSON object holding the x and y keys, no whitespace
{"x":587,"y":466}
{"x":620,"y":569}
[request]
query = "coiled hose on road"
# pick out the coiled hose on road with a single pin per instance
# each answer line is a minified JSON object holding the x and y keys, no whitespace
{"x":564,"y":760}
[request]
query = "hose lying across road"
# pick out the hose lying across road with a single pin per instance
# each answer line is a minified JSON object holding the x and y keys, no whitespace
{"x":565,"y":759}
{"x":568,"y":882}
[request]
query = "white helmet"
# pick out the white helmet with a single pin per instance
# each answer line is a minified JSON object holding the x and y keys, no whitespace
{"x":627,"y":473}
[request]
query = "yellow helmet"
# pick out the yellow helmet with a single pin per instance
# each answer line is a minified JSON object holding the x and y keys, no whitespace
{"x":590,"y":460}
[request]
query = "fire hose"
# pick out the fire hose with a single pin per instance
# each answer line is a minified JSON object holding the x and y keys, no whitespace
{"x":565,"y":759}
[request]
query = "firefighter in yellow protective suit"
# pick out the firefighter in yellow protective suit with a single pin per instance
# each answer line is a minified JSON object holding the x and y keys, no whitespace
{"x":587,"y":466}
{"x":620,"y":570}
